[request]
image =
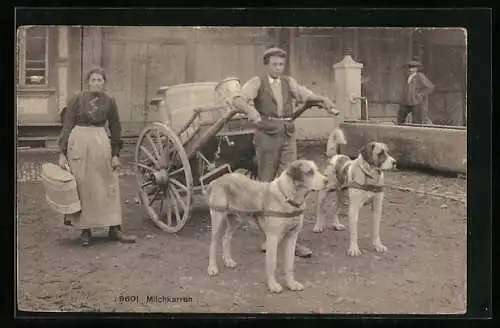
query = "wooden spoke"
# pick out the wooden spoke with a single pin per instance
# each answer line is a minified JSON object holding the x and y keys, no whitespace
{"x":178,"y":184}
{"x":171,"y":159}
{"x":166,"y":145}
{"x":161,"y":207}
{"x":144,"y":166}
{"x":176,"y":208}
{"x":152,"y":143}
{"x":178,"y":197}
{"x":148,"y":154}
{"x":163,"y":143}
{"x":168,"y":153}
{"x":159,"y":141}
{"x":176,"y":171}
{"x":169,"y":213}
{"x":165,"y":159}
{"x":155,"y":196}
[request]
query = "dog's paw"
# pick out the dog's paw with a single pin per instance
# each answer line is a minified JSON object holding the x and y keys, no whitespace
{"x":338,"y":227}
{"x":230,"y":263}
{"x":353,"y":250}
{"x":318,"y":228}
{"x":274,"y":287}
{"x":295,"y":285}
{"x":212,"y":270}
{"x":263,"y":247}
{"x":379,"y":247}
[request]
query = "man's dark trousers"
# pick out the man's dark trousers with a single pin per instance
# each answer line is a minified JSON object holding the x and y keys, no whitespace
{"x":274,"y":152}
{"x":415,"y":110}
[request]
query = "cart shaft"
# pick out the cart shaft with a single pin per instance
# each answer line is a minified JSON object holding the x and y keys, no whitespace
{"x":198,"y":143}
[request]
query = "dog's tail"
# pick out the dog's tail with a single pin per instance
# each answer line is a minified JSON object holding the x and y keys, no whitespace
{"x":337,"y":138}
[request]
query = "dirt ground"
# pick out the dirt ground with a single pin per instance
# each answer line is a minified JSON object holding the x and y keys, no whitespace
{"x":424,"y":270}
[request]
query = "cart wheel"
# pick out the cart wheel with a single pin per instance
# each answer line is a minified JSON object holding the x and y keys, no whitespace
{"x":164,"y":177}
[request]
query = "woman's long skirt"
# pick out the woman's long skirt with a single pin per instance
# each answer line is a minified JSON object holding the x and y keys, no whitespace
{"x":89,"y":157}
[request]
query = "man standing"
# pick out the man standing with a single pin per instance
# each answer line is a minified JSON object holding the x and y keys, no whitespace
{"x":268,"y":102}
{"x":417,"y":88}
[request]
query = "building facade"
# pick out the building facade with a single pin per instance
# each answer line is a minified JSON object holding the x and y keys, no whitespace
{"x":52,"y":61}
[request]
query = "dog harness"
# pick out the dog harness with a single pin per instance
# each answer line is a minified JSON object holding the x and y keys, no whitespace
{"x":375,"y":188}
{"x":288,"y":200}
{"x":367,"y":187}
{"x":263,"y":211}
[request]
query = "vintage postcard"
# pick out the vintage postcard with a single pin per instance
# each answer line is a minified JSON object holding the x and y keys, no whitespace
{"x":211,"y":169}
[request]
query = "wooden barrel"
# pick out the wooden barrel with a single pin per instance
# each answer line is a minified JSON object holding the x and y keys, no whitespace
{"x":60,"y":189}
{"x":182,"y":99}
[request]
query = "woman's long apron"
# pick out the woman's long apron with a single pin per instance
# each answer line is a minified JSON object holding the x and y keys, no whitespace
{"x":89,"y":157}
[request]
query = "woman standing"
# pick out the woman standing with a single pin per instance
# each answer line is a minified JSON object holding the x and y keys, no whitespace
{"x":93,"y":159}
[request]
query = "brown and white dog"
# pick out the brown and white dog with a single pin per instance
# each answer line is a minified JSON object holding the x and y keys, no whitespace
{"x":356,"y":182}
{"x":276,"y":207}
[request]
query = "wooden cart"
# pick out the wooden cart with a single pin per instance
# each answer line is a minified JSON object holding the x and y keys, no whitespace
{"x":199,"y":137}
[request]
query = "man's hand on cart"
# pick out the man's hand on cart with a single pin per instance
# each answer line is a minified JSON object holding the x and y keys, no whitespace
{"x":329,"y":106}
{"x":254,"y":118}
{"x":252,"y":113}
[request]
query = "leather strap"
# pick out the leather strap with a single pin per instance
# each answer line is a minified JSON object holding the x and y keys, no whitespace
{"x":288,"y":200}
{"x":366,"y":187}
{"x":262,"y":212}
{"x":258,"y":213}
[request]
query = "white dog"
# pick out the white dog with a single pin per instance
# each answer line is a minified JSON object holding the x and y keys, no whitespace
{"x":276,"y":207}
{"x":356,"y":182}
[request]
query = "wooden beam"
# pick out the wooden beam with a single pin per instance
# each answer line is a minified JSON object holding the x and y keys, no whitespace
{"x":419,"y":44}
{"x":277,"y":36}
{"x":410,"y":40}
{"x":292,"y":54}
{"x":92,"y":48}
{"x":285,"y":41}
{"x":190,"y":62}
{"x":355,"y":42}
{"x":62,"y":66}
{"x":282,"y":38}
{"x":191,"y":50}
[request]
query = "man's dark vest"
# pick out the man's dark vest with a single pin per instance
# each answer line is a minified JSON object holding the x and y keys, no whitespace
{"x":265,"y":102}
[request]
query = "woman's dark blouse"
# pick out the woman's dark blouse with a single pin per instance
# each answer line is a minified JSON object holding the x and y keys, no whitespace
{"x":91,"y":109}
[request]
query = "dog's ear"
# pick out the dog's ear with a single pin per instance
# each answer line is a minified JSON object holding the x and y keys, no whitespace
{"x":294,"y":171}
{"x":367,"y":152}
